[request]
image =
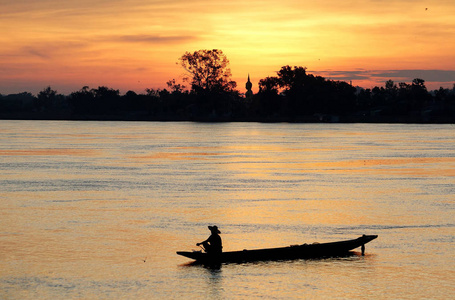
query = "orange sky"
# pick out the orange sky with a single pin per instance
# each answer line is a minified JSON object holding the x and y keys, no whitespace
{"x":134,"y":45}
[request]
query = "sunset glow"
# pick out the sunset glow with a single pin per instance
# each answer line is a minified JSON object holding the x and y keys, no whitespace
{"x":134,"y":45}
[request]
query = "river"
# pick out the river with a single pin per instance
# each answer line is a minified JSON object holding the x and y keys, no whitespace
{"x":97,"y":210}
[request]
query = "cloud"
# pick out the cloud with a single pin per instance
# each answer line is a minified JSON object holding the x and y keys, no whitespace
{"x":427,"y":75}
{"x":433,"y":78}
{"x":344,"y":75}
{"x":153,"y":39}
{"x":35,"y":52}
{"x":47,"y":50}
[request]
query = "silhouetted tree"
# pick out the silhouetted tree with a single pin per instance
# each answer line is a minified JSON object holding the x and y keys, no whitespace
{"x":404,"y":91}
{"x":46,"y":99}
{"x":209,"y":71}
{"x":153,"y":101}
{"x":419,"y":94}
{"x":210,"y":81}
{"x":105,"y":100}
{"x":305,"y":94}
{"x":291,"y":83}
{"x":82,"y":101}
{"x":175,"y":87}
{"x":269,"y":84}
{"x":130,"y":101}
{"x":391,"y":91}
{"x":364,"y":99}
{"x":267,"y":102}
{"x":21,"y":102}
{"x":343,"y":97}
{"x":152,"y":92}
{"x":378,"y":96}
{"x":292,"y":78}
{"x":291,"y":95}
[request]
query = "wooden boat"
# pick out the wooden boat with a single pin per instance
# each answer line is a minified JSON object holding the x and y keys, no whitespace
{"x":305,"y":251}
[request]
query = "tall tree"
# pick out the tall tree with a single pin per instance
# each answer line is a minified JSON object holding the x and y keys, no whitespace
{"x":292,"y":78}
{"x":209,"y":71}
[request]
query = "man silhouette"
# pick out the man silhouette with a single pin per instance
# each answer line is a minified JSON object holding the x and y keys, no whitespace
{"x":213,"y":244}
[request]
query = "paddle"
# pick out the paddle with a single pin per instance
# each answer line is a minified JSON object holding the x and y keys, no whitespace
{"x":201,"y":247}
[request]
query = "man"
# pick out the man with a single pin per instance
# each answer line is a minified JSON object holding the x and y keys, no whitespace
{"x":213,"y":244}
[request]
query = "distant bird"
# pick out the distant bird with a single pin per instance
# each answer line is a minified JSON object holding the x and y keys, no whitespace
{"x":426,"y":8}
{"x":145,"y":259}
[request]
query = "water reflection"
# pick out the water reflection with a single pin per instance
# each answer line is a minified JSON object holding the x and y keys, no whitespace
{"x":88,"y":202}
{"x":207,"y":278}
{"x":214,"y":277}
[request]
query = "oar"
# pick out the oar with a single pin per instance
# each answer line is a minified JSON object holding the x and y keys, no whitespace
{"x":202,"y":248}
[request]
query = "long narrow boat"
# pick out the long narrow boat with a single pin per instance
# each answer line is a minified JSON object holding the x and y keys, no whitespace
{"x":304,"y":251}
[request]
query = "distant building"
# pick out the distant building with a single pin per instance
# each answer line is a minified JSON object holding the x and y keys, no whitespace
{"x":248,"y":87}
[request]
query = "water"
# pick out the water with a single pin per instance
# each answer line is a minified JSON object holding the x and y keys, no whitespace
{"x":96,"y":210}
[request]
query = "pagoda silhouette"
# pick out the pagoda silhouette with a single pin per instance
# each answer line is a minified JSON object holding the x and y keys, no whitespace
{"x":248,"y":87}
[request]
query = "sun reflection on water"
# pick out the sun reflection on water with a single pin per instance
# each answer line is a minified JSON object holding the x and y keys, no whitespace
{"x":98,"y":211}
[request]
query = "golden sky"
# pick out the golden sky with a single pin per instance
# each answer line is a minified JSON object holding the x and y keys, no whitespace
{"x":134,"y":45}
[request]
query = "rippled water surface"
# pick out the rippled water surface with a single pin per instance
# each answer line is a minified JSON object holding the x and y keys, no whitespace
{"x":97,"y":210}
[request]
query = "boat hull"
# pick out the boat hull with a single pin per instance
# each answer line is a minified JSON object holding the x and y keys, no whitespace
{"x":304,"y":251}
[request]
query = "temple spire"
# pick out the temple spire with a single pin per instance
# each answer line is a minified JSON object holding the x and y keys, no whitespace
{"x":248,"y":87}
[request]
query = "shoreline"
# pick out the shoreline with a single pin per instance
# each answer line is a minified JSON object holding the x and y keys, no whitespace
{"x":225,"y":119}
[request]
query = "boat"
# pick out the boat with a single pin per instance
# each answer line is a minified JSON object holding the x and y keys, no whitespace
{"x":304,"y":251}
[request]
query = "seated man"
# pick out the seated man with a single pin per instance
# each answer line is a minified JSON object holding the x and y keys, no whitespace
{"x":213,"y":244}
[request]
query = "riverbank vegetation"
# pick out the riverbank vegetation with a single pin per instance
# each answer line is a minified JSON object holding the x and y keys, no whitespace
{"x":292,"y":95}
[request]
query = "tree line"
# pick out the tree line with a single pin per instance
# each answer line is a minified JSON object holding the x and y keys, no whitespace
{"x":207,"y":93}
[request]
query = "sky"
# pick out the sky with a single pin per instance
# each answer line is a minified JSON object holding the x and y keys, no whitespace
{"x":135,"y":45}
